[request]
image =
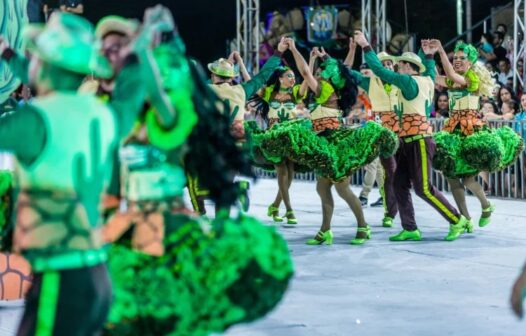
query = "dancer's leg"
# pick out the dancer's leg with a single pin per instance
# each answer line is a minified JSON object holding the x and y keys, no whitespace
{"x":459,"y":194}
{"x":344,"y":191}
{"x":283,"y":184}
{"x":390,"y":203}
{"x":323,"y":187}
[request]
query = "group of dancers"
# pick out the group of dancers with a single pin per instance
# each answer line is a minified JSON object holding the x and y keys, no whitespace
{"x":125,"y":118}
{"x":401,"y":102}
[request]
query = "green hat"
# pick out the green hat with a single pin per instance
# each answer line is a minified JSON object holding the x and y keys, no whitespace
{"x":413,"y":58}
{"x":116,"y":24}
{"x":222,"y":67}
{"x":68,"y":42}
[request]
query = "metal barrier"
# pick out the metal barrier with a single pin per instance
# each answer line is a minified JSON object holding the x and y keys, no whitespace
{"x":508,"y":183}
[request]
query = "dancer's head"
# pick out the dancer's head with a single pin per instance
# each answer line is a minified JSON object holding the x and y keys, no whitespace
{"x":464,"y":57}
{"x":387,"y":60}
{"x":222,"y":71}
{"x":410,"y":64}
{"x":63,"y":53}
{"x":115,"y":33}
{"x":282,"y":78}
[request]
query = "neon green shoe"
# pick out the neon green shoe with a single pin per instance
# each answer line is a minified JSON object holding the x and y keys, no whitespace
{"x":469,"y":226}
{"x":483,"y":221}
{"x":321,"y":237}
{"x":273,"y":212}
{"x":387,"y":222}
{"x":455,"y":230}
{"x":362,"y":235}
{"x":407,"y":235}
{"x":291,"y":219}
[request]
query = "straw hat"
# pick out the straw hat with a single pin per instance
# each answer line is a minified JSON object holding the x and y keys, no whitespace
{"x":116,"y":24}
{"x":68,"y":42}
{"x":222,"y":67}
{"x":383,"y":56}
{"x":412,"y":58}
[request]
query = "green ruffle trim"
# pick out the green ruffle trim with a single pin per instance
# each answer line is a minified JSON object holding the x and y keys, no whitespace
{"x":212,"y":276}
{"x":486,"y":150}
{"x":335,"y":155}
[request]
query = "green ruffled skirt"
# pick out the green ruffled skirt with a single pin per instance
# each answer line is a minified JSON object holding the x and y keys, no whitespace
{"x":489,"y":150}
{"x":213,"y":275}
{"x":334,"y":154}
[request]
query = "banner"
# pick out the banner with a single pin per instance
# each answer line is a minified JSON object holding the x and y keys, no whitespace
{"x":321,"y":23}
{"x":13,"y":16}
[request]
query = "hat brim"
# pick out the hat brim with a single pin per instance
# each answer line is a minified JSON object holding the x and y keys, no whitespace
{"x":215,"y":71}
{"x":420,"y":65}
{"x":115,"y":24}
{"x":98,"y":65}
{"x":387,"y":58}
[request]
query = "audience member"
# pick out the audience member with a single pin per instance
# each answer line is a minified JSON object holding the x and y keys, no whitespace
{"x":505,"y":72}
{"x":442,"y":106}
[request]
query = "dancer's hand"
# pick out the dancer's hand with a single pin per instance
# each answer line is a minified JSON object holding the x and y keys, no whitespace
{"x":314,"y":53}
{"x":360,"y":39}
{"x":159,"y":17}
{"x":517,"y":294}
{"x":434,"y":43}
{"x":291,"y":43}
{"x":235,"y":57}
{"x":283,"y":45}
{"x":352,"y":43}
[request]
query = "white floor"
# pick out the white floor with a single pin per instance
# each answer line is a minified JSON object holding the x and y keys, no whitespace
{"x":415,"y":288}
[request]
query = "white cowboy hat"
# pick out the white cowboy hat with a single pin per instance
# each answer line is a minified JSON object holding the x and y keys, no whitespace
{"x":412,"y":58}
{"x":116,"y":24}
{"x":222,"y":67}
{"x":384,"y":56}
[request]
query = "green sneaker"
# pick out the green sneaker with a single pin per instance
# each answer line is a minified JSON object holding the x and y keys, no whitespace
{"x":483,"y":221}
{"x":273,"y":212}
{"x":455,"y":230}
{"x":469,"y":226}
{"x":407,"y":235}
{"x":362,"y":235}
{"x":387,"y":222}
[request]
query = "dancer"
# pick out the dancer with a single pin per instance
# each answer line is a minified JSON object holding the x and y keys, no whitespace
{"x":62,"y":170}
{"x":466,"y":82}
{"x":384,"y":101}
{"x":278,"y":103}
{"x":235,"y":97}
{"x":335,"y":91}
{"x":518,"y":293}
{"x":206,"y":276}
{"x":417,"y":146}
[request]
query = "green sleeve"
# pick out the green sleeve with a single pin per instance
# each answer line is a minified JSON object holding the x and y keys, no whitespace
{"x":24,"y":123}
{"x":363,"y":81}
{"x":472,"y":80}
{"x":429,"y":63}
{"x":407,"y":85}
{"x":18,"y":64}
{"x":253,"y":85}
{"x":128,"y":96}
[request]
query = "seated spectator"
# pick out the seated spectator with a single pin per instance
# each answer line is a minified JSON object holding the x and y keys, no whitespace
{"x":505,"y":71}
{"x":489,"y":111}
{"x":486,"y":47}
{"x":509,"y":109}
{"x":499,"y":52}
{"x":505,"y":95}
{"x":442,"y":106}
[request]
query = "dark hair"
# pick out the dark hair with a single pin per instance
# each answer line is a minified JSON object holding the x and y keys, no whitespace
{"x":504,"y":26}
{"x":440,"y":94}
{"x":349,"y":92}
{"x":510,"y":90}
{"x":260,"y":105}
{"x":413,"y":66}
{"x":505,"y":60}
{"x":499,"y":35}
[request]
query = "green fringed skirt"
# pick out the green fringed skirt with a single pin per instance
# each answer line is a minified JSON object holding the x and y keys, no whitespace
{"x":334,"y":154}
{"x":489,"y":150}
{"x":213,"y":275}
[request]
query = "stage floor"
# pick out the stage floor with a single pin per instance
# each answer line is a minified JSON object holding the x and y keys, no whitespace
{"x":415,"y":288}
